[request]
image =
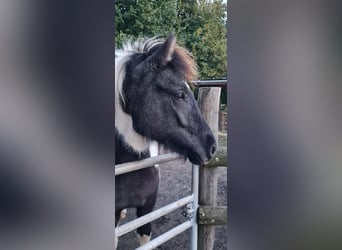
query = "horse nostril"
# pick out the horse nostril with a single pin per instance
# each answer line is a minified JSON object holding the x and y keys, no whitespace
{"x":211,"y":145}
{"x":212,"y":150}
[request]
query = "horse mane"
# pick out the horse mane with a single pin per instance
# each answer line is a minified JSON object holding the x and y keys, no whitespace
{"x":121,"y":58}
{"x":188,"y":63}
{"x":182,"y":59}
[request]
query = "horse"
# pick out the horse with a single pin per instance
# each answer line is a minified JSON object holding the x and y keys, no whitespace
{"x":154,"y":105}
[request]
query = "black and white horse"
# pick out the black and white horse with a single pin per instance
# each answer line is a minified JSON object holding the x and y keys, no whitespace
{"x":153,"y":103}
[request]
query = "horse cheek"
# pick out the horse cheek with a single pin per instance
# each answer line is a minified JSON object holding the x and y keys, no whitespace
{"x":182,"y":118}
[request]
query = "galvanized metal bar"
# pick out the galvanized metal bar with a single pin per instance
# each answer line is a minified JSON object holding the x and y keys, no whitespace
{"x":148,"y":162}
{"x":210,"y":83}
{"x":195,"y":192}
{"x":130,"y":226}
{"x":166,"y":236}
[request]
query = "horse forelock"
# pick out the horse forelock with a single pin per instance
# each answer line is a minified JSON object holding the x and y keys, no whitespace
{"x":141,"y":45}
{"x":122,"y":56}
{"x":181,"y":55}
{"x":187,"y":62}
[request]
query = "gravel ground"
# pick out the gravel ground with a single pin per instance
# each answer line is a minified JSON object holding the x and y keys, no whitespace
{"x":175,"y":183}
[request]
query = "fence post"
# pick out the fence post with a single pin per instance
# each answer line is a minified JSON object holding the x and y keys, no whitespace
{"x":209,"y":104}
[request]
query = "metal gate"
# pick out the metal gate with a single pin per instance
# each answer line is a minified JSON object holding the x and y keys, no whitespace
{"x":191,"y":201}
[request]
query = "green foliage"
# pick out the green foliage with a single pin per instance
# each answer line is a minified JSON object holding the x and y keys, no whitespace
{"x":210,"y":44}
{"x":144,"y":18}
{"x":199,"y":25}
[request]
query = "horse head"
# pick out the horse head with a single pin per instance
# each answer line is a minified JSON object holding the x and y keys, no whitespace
{"x":154,"y":101}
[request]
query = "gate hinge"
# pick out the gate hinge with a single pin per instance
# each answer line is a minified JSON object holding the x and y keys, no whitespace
{"x":188,"y":211}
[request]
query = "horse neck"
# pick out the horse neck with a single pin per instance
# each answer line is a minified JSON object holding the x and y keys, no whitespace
{"x":123,"y":153}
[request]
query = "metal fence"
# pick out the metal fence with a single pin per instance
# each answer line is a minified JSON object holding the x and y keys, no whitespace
{"x":191,"y":201}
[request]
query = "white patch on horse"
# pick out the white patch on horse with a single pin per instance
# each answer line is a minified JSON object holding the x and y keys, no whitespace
{"x":123,"y":121}
{"x":123,"y":214}
{"x":144,"y":239}
{"x":116,"y":240}
{"x":154,"y":150}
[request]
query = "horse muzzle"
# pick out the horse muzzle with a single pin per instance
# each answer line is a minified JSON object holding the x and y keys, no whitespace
{"x":205,"y":152}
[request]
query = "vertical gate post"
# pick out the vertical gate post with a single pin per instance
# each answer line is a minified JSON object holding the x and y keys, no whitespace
{"x":209,"y":104}
{"x":194,"y":229}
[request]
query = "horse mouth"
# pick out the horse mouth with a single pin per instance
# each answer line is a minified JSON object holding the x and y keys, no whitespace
{"x":195,"y":158}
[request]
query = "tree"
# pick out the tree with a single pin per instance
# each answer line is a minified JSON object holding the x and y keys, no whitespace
{"x":202,"y":29}
{"x":144,"y":18}
{"x":199,"y":26}
{"x":210,"y":45}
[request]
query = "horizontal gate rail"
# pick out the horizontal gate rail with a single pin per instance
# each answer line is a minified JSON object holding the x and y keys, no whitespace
{"x":148,"y":162}
{"x":191,"y":200}
{"x":219,"y":159}
{"x":167,"y":236}
{"x":130,"y":226}
{"x":210,"y":83}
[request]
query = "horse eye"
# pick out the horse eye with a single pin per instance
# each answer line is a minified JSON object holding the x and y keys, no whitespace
{"x":180,"y":95}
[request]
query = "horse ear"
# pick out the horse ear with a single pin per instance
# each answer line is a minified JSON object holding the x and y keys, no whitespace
{"x":165,"y":53}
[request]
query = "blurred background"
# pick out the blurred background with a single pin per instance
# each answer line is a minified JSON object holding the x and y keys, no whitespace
{"x":284,"y":125}
{"x":56,"y":124}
